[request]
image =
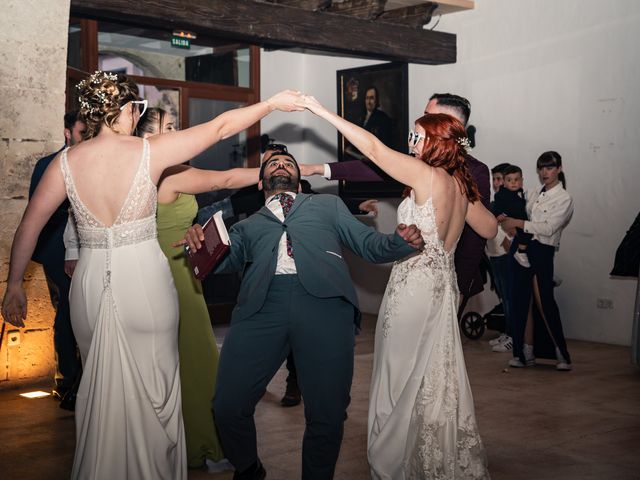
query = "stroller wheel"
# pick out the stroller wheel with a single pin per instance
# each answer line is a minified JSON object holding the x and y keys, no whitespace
{"x":472,"y":325}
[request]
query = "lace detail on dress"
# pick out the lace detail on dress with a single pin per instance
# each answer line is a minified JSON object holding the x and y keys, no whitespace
{"x":452,"y":426}
{"x":432,"y":262}
{"x":135,"y":221}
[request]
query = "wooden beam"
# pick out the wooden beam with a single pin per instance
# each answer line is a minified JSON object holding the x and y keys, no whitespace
{"x":312,"y":5}
{"x":414,"y":16}
{"x":269,"y":24}
{"x":365,"y":9}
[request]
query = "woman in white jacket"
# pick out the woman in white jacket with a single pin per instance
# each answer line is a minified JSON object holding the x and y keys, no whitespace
{"x":549,"y":208}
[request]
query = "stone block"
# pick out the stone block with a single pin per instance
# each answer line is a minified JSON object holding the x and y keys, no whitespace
{"x":31,"y":113}
{"x":34,"y":357}
{"x":35,"y":21}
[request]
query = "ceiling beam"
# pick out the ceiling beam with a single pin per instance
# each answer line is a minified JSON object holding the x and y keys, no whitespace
{"x":313,"y":5}
{"x":414,"y":16}
{"x":365,"y":9}
{"x":270,"y":24}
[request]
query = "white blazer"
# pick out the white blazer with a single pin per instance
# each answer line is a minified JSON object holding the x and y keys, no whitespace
{"x":549,"y":212}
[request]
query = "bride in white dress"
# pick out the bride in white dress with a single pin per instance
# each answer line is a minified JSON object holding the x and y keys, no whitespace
{"x":421,"y":416}
{"x":124,"y":307}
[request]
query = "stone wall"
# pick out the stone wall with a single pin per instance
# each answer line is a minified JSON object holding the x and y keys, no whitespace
{"x":33,"y":57}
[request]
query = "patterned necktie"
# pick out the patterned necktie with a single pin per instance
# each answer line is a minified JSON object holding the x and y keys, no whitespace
{"x":286,"y":201}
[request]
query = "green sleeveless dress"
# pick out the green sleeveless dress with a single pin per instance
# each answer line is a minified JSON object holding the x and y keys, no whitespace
{"x":197,"y":345}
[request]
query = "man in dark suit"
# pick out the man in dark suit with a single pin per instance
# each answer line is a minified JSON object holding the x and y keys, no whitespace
{"x":470,"y":247}
{"x":296,"y":294}
{"x":49,"y":252}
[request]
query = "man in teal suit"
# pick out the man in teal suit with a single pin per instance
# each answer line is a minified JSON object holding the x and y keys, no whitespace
{"x":296,"y":294}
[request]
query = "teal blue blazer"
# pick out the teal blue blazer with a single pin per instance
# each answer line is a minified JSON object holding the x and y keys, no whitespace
{"x":318,"y":225}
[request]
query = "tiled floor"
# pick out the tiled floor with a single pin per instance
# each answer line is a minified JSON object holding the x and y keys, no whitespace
{"x":536,"y":423}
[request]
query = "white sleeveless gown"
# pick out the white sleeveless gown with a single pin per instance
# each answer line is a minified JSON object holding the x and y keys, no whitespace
{"x":421,"y":416}
{"x":124,"y":312}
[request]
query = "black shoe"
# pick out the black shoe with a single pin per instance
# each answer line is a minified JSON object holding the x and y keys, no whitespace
{"x":292,"y":396}
{"x":68,"y":402}
{"x":255,"y":472}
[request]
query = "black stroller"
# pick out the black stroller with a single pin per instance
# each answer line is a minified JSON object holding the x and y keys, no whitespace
{"x":472,"y":324}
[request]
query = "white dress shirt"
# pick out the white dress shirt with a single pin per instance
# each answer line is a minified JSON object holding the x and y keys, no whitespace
{"x":286,"y":265}
{"x":494,"y":245}
{"x":71,"y":240}
{"x":549,"y":212}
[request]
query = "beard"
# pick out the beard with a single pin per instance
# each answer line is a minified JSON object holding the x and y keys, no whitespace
{"x":281,"y":183}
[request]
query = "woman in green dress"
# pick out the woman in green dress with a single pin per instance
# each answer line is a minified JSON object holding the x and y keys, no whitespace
{"x":197,"y":347}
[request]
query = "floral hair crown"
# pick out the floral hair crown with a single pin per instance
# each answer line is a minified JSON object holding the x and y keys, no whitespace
{"x":96,"y":78}
{"x":464,"y":142}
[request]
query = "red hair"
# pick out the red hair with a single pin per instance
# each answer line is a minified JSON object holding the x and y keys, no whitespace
{"x":441,"y":149}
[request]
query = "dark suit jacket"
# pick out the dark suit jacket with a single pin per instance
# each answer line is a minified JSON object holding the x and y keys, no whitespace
{"x":50,"y":247}
{"x":318,"y":225}
{"x":471,"y":245}
{"x":379,"y":124}
{"x":354,"y":171}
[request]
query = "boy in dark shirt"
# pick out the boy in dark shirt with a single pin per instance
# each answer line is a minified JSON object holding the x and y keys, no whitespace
{"x":509,"y":201}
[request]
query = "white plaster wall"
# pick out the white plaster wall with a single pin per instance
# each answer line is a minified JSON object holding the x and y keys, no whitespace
{"x":541,"y":75}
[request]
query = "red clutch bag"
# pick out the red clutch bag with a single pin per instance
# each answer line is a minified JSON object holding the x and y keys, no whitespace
{"x":215,"y":246}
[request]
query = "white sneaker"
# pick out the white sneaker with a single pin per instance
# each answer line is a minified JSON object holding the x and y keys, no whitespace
{"x":498,"y":340}
{"x":503,"y":347}
{"x":529,"y":357}
{"x":562,"y":364}
{"x":515,"y":362}
{"x":522,"y":259}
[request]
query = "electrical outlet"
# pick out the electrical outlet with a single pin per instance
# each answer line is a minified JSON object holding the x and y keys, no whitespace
{"x":13,"y":338}
{"x":604,"y":303}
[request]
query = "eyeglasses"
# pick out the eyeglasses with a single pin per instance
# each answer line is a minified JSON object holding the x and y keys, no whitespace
{"x":142,"y":105}
{"x":414,"y":138}
{"x":276,"y":146}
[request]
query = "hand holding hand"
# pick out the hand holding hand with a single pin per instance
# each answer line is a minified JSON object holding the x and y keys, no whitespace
{"x":286,"y":101}
{"x":370,"y":206}
{"x":310,"y":103}
{"x":14,"y":306}
{"x":193,"y":238}
{"x":411,"y":235}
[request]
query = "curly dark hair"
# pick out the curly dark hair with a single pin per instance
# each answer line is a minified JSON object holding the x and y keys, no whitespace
{"x":101,"y":96}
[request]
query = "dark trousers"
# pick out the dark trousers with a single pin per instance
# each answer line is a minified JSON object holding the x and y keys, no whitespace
{"x":541,"y":260}
{"x":501,"y":269}
{"x":292,"y":378}
{"x":319,"y":332}
{"x":64,"y":342}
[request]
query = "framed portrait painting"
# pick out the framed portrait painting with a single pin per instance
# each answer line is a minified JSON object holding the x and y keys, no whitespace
{"x":376,"y":98}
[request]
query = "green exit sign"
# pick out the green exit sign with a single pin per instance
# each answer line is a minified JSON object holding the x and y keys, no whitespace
{"x":180,"y":42}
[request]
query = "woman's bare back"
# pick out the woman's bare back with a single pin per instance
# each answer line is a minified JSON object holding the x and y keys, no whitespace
{"x":449,"y":203}
{"x":103,"y":171}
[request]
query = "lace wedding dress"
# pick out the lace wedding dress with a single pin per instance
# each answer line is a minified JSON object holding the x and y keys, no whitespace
{"x":124,"y":313}
{"x":421,"y":417}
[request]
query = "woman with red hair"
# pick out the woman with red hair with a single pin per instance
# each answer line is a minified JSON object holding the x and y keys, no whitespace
{"x":421,"y":415}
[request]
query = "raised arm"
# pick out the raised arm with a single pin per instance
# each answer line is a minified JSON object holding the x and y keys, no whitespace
{"x":47,"y":197}
{"x":482,"y":221}
{"x":186,"y":179}
{"x":177,"y":147}
{"x":404,"y":168}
